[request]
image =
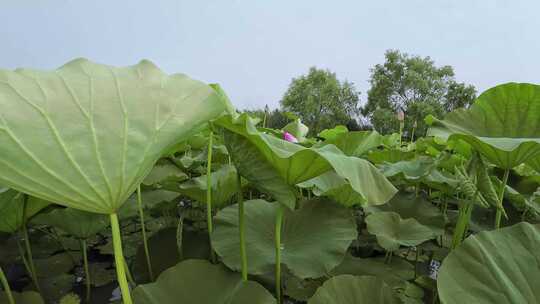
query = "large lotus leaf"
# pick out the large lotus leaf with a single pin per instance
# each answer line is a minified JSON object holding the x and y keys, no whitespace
{"x":411,"y":170}
{"x":149,"y":198}
{"x":86,"y":134}
{"x":314,"y":238}
{"x":493,"y":267}
{"x":286,"y":164}
{"x":356,"y":143}
{"x":78,"y":223}
{"x":535,"y":163}
{"x":503,"y":124}
{"x":366,"y":176}
{"x":389,"y":156}
{"x":409,"y":206}
{"x":164,"y":172}
{"x":12,"y":209}
{"x":392,"y":231}
{"x":348,"y":289}
{"x":224,"y":186}
{"x":297,"y":129}
{"x":198,"y":281}
{"x":332,"y":133}
{"x":27,"y":297}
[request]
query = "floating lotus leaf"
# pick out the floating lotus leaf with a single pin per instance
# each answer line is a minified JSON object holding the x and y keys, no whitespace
{"x":392,"y":231}
{"x":314,"y":238}
{"x":394,"y":273}
{"x":275,"y":166}
{"x":27,"y":297}
{"x":78,"y":223}
{"x":198,"y":281}
{"x":503,"y":124}
{"x":86,"y":134}
{"x":348,"y":289}
{"x":12,"y":209}
{"x":493,"y":267}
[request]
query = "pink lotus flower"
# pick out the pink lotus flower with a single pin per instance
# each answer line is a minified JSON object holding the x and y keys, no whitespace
{"x":289,"y":137}
{"x":400,"y":115}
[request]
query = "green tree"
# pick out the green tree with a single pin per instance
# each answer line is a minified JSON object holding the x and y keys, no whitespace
{"x":321,"y":100}
{"x":275,"y":119}
{"x":416,"y":86}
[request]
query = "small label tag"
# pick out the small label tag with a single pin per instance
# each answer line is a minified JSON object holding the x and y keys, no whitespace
{"x":434,"y":266}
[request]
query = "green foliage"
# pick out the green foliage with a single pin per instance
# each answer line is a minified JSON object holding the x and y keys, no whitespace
{"x":321,"y":100}
{"x":87,"y":134}
{"x":502,"y":124}
{"x":198,"y":281}
{"x":415,"y":85}
{"x":493,"y":267}
{"x":348,"y":289}
{"x":314,"y":238}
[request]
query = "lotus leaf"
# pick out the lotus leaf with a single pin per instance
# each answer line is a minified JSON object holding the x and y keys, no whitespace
{"x":224,"y":186}
{"x":495,"y":267}
{"x":392,"y":231}
{"x":102,"y":129}
{"x":503,"y":124}
{"x":348,"y":289}
{"x":198,"y":281}
{"x":78,"y":223}
{"x":356,"y":143}
{"x":275,"y":165}
{"x":12,"y":209}
{"x":314,"y":238}
{"x":27,"y":297}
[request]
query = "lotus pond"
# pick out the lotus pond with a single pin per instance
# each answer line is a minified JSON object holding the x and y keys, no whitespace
{"x":128,"y":185}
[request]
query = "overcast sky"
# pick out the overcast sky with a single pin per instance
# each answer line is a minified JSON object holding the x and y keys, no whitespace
{"x":254,"y":48}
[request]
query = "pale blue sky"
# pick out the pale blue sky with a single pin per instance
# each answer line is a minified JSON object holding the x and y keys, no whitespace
{"x":254,"y":48}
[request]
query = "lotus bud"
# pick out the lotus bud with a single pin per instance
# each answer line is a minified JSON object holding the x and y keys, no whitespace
{"x":289,"y":137}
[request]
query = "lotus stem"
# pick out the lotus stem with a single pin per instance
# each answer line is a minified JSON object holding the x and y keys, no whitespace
{"x":242,"y":230}
{"x":5,"y":285}
{"x":84,"y":249}
{"x":30,"y":259}
{"x":209,"y":196}
{"x":119,"y":259}
{"x":462,"y":224}
{"x":500,"y":207}
{"x":279,"y":220}
{"x":143,"y":230}
{"x":128,"y":274}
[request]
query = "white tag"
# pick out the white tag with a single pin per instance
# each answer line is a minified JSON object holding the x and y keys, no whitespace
{"x":434,"y":266}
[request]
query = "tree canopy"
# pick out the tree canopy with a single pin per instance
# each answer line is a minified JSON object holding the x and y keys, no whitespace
{"x":416,"y":86}
{"x":321,"y":100}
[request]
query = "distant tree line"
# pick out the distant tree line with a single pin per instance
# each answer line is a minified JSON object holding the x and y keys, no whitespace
{"x":407,"y":83}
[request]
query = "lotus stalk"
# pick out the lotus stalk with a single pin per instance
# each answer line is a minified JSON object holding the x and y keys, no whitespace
{"x":500,"y":207}
{"x":209,"y":196}
{"x":84,"y":249}
{"x":30,"y":260}
{"x":5,"y":285}
{"x":278,"y":224}
{"x":143,"y":231}
{"x":119,"y":259}
{"x":242,"y":230}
